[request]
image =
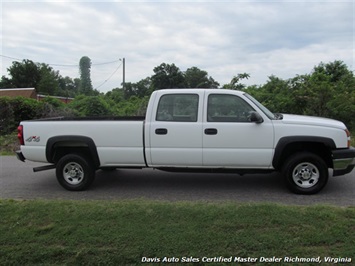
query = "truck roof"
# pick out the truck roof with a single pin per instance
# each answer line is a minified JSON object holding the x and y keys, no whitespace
{"x":191,"y":90}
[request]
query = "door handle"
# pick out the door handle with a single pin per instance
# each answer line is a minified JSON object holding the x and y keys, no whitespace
{"x":161,"y":131}
{"x":211,"y":131}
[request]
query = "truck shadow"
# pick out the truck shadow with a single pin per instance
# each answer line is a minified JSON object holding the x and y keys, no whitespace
{"x":159,"y":185}
{"x":179,"y":186}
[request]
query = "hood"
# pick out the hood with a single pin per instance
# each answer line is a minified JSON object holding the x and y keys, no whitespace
{"x":312,"y":120}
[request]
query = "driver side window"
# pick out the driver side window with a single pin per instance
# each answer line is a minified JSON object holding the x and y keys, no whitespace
{"x":227,"y":108}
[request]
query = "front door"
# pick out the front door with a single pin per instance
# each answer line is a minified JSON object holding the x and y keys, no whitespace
{"x":230,"y":140}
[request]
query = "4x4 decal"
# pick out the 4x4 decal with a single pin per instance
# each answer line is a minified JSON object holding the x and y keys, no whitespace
{"x":33,"y":139}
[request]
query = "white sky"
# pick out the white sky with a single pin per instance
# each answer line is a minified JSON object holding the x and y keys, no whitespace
{"x":224,"y":38}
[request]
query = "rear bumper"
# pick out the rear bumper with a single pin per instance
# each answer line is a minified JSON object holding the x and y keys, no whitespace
{"x":343,"y":161}
{"x":20,"y":156}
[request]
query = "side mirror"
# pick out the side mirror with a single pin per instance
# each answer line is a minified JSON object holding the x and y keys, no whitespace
{"x":256,"y":118}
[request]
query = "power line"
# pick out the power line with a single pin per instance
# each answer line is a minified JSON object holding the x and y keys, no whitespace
{"x":106,"y":63}
{"x":63,"y":65}
{"x":11,"y":57}
{"x":109,"y":76}
{"x":77,"y":65}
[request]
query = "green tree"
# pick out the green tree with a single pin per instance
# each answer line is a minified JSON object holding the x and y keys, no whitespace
{"x":49,"y":81}
{"x":338,"y":91}
{"x":68,"y":87}
{"x":167,"y":76}
{"x":116,"y":95}
{"x":342,"y":107}
{"x":235,"y":82}
{"x":273,"y":94}
{"x":139,"y":89}
{"x":336,"y":71}
{"x":128,"y":90}
{"x":329,"y":91}
{"x":197,"y":78}
{"x":42,"y":77}
{"x":85,"y":78}
{"x":298,"y":95}
{"x":25,"y":74}
{"x":6,"y":83}
{"x":321,"y":91}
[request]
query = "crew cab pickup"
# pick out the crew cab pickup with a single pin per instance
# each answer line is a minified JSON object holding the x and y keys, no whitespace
{"x":206,"y":130}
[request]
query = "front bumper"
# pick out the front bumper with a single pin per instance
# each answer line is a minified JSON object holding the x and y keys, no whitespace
{"x":20,"y":156}
{"x":343,"y":161}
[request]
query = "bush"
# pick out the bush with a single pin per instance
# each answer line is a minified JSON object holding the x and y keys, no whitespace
{"x":7,"y":119}
{"x":133,"y":106}
{"x":15,"y":110}
{"x":53,"y":107}
{"x":26,"y":108}
{"x":91,"y":106}
{"x":53,"y":102}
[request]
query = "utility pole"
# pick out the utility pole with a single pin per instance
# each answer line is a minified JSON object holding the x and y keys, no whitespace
{"x":124,"y":72}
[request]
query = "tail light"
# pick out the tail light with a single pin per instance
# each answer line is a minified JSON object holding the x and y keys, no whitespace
{"x":348,"y":136}
{"x":20,"y":135}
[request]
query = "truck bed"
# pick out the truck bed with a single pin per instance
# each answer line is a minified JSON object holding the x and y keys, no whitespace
{"x":119,"y":140}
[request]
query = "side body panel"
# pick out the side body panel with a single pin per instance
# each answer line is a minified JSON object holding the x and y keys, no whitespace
{"x":285,"y":129}
{"x":118,"y":143}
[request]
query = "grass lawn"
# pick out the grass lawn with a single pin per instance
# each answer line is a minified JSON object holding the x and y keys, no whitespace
{"x":39,"y":232}
{"x":53,"y":232}
{"x":9,"y":144}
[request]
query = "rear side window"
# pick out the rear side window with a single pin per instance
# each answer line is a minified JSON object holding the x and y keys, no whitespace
{"x":178,"y":108}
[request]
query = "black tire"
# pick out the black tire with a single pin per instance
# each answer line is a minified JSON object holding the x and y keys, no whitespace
{"x":305,"y":173}
{"x":74,"y":172}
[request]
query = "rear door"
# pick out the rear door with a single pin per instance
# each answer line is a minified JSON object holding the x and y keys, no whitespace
{"x":175,"y":130}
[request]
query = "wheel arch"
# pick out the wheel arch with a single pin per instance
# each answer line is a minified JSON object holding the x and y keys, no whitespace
{"x":59,"y":146}
{"x":287,"y":146}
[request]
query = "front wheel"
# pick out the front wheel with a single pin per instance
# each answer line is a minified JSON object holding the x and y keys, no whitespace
{"x":305,"y":173}
{"x":74,"y":172}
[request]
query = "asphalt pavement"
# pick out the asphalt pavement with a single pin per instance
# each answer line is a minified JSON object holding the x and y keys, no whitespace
{"x":18,"y":181}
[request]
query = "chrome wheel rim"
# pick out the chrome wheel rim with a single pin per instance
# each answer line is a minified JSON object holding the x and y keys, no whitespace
{"x":73,"y":173}
{"x":305,"y":175}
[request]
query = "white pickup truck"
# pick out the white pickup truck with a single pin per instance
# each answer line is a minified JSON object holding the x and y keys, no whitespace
{"x":205,"y":130}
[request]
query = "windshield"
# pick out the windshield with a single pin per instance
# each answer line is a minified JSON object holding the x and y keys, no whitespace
{"x":266,"y":111}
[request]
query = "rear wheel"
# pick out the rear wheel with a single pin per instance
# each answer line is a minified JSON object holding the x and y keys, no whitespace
{"x":74,"y":172}
{"x":305,"y":173}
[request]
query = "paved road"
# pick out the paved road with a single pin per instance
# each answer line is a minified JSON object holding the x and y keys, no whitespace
{"x":17,"y":181}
